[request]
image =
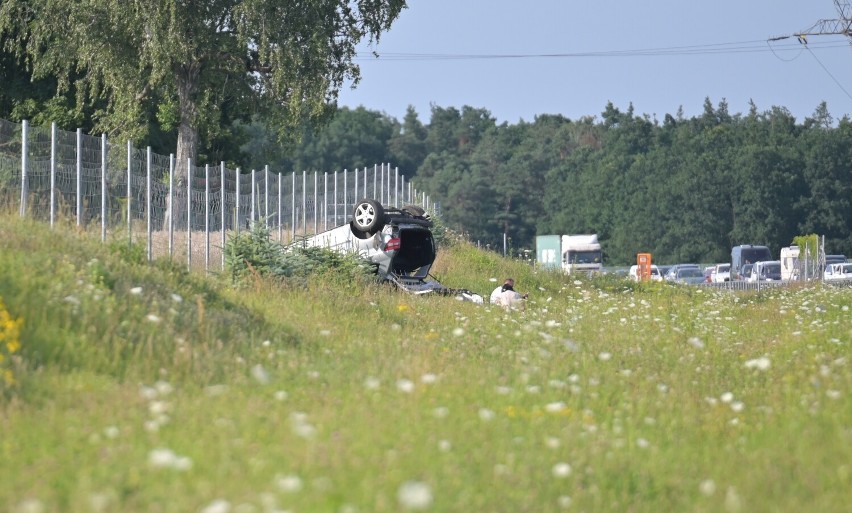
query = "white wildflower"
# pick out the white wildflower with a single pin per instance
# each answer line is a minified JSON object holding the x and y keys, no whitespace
{"x":259,"y":374}
{"x":217,"y":506}
{"x":561,"y":470}
{"x":162,"y":458}
{"x":136,"y":291}
{"x":414,"y":495}
{"x":707,"y":487}
{"x":761,"y":363}
{"x":695,"y":342}
{"x":289,"y":484}
{"x":486,"y":414}
{"x":554,"y":407}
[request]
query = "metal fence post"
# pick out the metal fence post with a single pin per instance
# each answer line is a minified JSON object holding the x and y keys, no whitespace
{"x":316,"y":197}
{"x":304,"y":202}
{"x":280,"y":229}
{"x":79,"y":177}
{"x":325,"y":200}
{"x":266,"y":196}
{"x":25,"y":129}
{"x":345,"y":192}
{"x":237,"y":207}
{"x":170,"y":220}
{"x":253,"y":197}
{"x":222,"y":208}
{"x":148,"y":228}
{"x":206,"y":217}
{"x":334,"y":222}
{"x":129,"y":195}
{"x":104,"y":152}
{"x":293,"y":208}
{"x":52,"y":173}
{"x":189,"y":214}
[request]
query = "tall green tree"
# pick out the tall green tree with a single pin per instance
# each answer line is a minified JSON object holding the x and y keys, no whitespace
{"x":408,"y":144}
{"x":197,"y":59}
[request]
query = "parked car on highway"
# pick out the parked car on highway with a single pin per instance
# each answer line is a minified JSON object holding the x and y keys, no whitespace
{"x":839,"y":271}
{"x":671,"y":274}
{"x":766,"y":271}
{"x":689,"y":275}
{"x":745,"y":272}
{"x":655,"y":273}
{"x":721,"y":273}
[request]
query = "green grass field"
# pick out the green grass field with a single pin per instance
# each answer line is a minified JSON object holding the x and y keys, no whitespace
{"x":137,"y":387}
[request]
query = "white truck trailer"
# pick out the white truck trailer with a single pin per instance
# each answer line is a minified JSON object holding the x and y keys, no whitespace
{"x":571,"y":253}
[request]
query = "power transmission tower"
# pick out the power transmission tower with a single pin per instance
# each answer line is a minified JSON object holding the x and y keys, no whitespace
{"x":841,"y":26}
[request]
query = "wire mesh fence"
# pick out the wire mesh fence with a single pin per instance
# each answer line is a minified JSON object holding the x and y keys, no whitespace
{"x":178,"y":210}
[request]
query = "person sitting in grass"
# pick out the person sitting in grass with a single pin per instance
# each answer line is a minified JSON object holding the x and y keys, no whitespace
{"x":506,"y":296}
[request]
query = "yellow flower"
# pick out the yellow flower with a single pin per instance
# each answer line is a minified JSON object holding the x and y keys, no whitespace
{"x":9,"y":377}
{"x":13,"y":345}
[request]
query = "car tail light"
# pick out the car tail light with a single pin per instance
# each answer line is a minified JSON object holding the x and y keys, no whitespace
{"x":393,"y":244}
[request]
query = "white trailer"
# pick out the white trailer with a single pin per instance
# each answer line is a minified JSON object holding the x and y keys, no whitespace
{"x":790,"y":269}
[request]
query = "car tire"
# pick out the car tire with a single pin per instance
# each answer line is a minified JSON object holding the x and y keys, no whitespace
{"x":368,"y":216}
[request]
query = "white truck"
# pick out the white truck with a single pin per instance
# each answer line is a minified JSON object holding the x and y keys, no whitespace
{"x":571,"y":253}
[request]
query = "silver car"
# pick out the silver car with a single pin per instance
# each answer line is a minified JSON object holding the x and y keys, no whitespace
{"x":397,"y":241}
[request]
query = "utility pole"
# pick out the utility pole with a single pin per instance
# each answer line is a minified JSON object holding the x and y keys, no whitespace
{"x":842,"y":26}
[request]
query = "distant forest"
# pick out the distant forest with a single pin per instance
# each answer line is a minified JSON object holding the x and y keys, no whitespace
{"x":683,"y":189}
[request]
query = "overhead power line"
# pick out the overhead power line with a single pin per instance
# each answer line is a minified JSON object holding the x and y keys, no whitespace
{"x":756,"y":46}
{"x":841,"y":26}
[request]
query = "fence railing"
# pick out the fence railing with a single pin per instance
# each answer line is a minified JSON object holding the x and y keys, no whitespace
{"x":180,"y":210}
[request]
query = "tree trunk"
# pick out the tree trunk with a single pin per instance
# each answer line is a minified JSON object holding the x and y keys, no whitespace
{"x":187,"y":144}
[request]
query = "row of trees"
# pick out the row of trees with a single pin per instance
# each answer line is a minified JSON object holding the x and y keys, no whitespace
{"x":685,"y":189}
{"x":223,"y":84}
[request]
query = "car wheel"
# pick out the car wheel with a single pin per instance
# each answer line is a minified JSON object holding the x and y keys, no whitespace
{"x":368,"y":216}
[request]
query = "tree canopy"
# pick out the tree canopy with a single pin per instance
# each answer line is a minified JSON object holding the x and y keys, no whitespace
{"x":196,"y":65}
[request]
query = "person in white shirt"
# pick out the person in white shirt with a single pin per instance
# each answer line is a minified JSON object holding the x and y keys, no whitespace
{"x":506,"y":296}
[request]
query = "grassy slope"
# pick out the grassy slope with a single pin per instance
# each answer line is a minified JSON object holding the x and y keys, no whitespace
{"x":144,"y":388}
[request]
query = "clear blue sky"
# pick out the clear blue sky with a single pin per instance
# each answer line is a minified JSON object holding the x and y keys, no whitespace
{"x":658,"y":54}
